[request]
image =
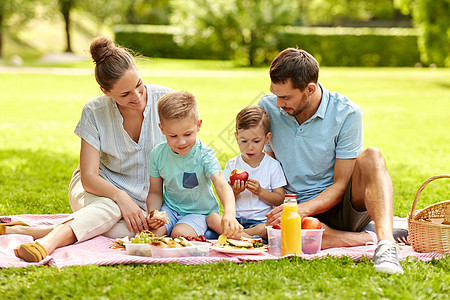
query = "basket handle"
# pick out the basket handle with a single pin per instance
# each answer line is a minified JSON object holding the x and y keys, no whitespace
{"x":413,"y":210}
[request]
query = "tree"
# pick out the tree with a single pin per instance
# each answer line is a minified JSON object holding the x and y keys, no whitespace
{"x":110,"y":12}
{"x":432,"y":19}
{"x":148,"y":12}
{"x":14,"y":14}
{"x":339,"y":12}
{"x":244,"y":29}
{"x":113,"y":13}
{"x":65,"y":7}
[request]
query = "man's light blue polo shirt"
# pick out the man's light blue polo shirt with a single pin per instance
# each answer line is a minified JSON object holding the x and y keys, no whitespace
{"x":307,"y":152}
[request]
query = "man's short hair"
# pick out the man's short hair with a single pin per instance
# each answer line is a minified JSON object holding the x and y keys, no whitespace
{"x":253,"y":116}
{"x":297,"y":65}
{"x":177,"y":105}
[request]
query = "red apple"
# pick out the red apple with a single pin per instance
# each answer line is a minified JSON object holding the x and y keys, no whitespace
{"x":310,"y":246}
{"x":311,"y":223}
{"x":277,"y":226}
{"x":237,"y":174}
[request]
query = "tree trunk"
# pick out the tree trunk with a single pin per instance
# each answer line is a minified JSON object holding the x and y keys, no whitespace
{"x":66,"y":6}
{"x":1,"y":35}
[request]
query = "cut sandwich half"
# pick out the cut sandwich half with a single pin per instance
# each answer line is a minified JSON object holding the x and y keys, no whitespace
{"x":243,"y":243}
{"x":240,"y":244}
{"x":159,"y":215}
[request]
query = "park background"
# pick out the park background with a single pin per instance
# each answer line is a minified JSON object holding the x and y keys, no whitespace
{"x":390,"y":57}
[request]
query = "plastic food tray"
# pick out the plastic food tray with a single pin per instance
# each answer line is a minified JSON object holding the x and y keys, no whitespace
{"x":197,"y":249}
{"x":138,"y":249}
{"x":311,"y":240}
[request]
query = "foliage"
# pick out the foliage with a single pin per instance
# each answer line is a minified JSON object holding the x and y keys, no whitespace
{"x":14,"y":14}
{"x":112,"y":13}
{"x":159,"y":41}
{"x":336,"y":12}
{"x":148,"y":12}
{"x":331,"y":46}
{"x":432,"y":19}
{"x":367,"y":47}
{"x":241,"y":29}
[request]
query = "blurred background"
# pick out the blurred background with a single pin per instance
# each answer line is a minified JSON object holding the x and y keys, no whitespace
{"x":247,"y":32}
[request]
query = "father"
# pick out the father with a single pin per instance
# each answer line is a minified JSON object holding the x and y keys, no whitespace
{"x":317,"y":135}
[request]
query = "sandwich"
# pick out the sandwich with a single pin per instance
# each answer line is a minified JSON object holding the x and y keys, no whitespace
{"x":243,"y":243}
{"x":159,"y":215}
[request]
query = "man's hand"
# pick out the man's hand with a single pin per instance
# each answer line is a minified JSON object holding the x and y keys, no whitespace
{"x":274,"y":216}
{"x":230,"y":226}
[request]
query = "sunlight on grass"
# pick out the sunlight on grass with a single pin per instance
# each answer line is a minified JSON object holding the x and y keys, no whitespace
{"x":406,"y":114}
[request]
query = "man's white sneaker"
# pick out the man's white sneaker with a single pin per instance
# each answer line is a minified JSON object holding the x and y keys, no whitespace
{"x":385,"y":258}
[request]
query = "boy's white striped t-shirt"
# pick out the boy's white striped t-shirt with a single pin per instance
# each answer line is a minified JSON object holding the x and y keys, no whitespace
{"x":123,"y":162}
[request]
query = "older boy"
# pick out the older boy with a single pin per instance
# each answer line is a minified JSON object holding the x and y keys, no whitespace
{"x":186,"y":167}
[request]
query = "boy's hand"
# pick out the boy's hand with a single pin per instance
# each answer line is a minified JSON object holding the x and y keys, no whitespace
{"x":154,"y":223}
{"x":238,"y":186}
{"x":254,"y":187}
{"x":230,"y":226}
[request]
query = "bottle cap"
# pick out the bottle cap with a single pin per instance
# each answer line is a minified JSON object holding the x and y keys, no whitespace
{"x":290,"y":196}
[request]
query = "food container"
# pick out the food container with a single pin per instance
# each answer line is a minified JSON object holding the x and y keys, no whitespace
{"x":197,"y":249}
{"x":138,"y":249}
{"x":274,"y":240}
{"x":311,"y":240}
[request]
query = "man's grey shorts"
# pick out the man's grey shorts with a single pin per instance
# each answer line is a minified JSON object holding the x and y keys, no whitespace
{"x":344,"y":216}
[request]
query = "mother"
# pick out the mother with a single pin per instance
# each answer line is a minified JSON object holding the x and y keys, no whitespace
{"x":118,"y":130}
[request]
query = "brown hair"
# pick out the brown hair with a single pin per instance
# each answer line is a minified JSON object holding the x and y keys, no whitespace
{"x":253,"y":116}
{"x":177,"y":105}
{"x":296,"y":64}
{"x":111,"y":61}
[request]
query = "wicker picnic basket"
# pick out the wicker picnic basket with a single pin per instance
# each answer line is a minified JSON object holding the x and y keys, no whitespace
{"x":424,"y":234}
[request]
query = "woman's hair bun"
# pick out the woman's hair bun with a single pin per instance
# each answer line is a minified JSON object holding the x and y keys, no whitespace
{"x":101,"y":48}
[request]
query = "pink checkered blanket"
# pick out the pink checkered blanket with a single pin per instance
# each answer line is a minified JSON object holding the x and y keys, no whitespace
{"x":96,"y":251}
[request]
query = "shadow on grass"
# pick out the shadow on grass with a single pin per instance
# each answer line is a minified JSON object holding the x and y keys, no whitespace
{"x":35,"y":182}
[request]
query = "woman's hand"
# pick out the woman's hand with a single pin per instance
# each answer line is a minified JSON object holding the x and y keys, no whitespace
{"x":230,"y":226}
{"x":132,"y":214}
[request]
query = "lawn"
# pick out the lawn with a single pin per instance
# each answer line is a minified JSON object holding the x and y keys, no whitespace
{"x":406,"y":115}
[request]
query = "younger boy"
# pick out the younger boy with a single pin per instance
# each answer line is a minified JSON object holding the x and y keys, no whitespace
{"x":264,"y":188}
{"x":186,"y":167}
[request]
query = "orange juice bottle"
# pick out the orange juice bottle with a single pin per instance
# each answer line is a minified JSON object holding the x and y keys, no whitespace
{"x":291,"y":225}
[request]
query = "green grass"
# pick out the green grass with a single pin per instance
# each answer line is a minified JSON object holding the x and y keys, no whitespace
{"x":406,"y":115}
{"x":328,"y":278}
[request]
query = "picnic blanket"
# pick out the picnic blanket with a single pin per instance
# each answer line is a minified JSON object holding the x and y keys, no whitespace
{"x":96,"y":251}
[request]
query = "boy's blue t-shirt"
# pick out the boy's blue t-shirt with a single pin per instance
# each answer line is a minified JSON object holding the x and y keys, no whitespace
{"x":187,"y":178}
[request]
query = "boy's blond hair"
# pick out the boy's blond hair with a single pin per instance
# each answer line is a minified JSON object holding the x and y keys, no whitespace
{"x":253,"y":116}
{"x":177,"y":105}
